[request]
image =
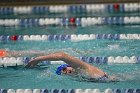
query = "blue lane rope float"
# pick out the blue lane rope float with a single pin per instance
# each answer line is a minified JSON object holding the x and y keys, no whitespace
{"x":15,"y":61}
{"x":75,"y":38}
{"x":128,"y":90}
{"x":83,"y":8}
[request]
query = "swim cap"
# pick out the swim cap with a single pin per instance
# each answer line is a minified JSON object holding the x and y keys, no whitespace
{"x":3,"y":53}
{"x":60,"y":68}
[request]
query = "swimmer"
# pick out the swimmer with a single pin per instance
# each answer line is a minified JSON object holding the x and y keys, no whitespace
{"x":73,"y":66}
{"x":21,"y":53}
{"x":3,"y":53}
{"x":6,"y":53}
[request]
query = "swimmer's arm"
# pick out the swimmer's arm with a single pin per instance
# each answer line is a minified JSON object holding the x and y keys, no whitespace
{"x":74,"y":62}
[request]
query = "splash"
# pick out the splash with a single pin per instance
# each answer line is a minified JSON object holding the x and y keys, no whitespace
{"x":112,"y":47}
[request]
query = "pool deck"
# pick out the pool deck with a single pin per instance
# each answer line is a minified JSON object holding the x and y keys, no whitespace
{"x":59,"y":2}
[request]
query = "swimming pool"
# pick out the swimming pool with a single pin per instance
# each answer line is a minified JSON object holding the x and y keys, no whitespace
{"x":104,"y":41}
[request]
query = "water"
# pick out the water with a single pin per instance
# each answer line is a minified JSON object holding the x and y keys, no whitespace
{"x":45,"y":77}
{"x":103,"y":29}
{"x":82,"y":48}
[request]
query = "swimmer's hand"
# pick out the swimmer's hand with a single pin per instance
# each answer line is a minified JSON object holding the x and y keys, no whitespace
{"x":31,"y":64}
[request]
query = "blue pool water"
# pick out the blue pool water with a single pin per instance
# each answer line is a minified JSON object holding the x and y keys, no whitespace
{"x":105,"y":29}
{"x":45,"y":77}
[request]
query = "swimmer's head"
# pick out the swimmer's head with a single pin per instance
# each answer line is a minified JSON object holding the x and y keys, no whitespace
{"x":3,"y":53}
{"x":65,"y":69}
